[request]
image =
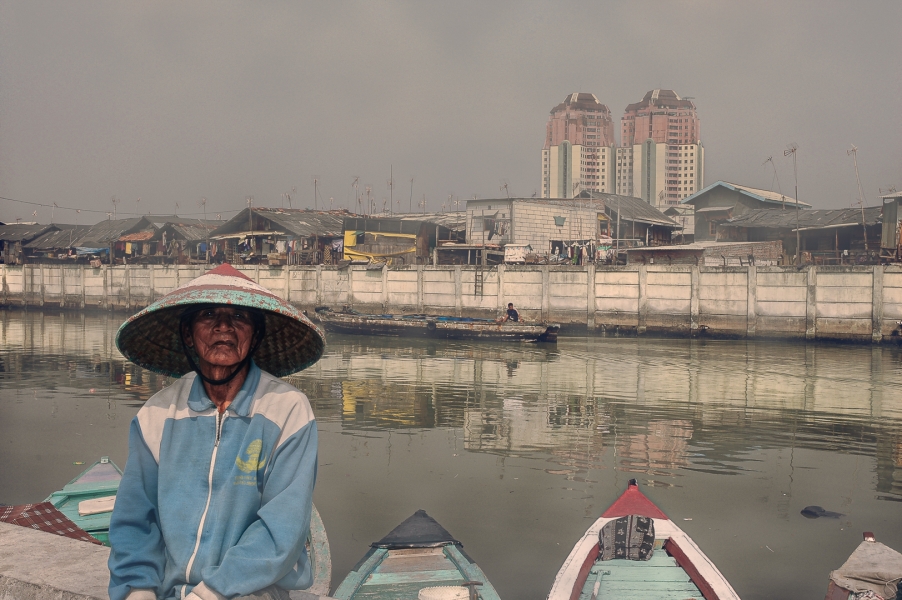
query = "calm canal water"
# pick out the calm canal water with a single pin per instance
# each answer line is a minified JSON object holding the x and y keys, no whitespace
{"x":516,"y":449}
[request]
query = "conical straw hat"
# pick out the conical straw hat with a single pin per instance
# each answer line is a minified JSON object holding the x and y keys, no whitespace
{"x":151,"y":338}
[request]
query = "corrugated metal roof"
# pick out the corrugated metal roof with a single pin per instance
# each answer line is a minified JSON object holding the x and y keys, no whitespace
{"x":62,"y":238}
{"x":105,"y":232}
{"x":455,"y":221}
{"x":813,"y":219}
{"x":19,"y":233}
{"x":191,"y":233}
{"x":140,"y":236}
{"x":760,"y":195}
{"x":631,"y":209}
{"x":294,"y":222}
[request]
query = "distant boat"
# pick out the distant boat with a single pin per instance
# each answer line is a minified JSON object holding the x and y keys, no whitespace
{"x":88,"y":501}
{"x":349,"y":321}
{"x":677,"y":567}
{"x":418,"y":559}
{"x":872,"y":567}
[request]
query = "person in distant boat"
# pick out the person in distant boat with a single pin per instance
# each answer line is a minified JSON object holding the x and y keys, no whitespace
{"x":216,"y":497}
{"x":512,"y":314}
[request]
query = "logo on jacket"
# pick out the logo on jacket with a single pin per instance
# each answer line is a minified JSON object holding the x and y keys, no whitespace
{"x":253,"y":462}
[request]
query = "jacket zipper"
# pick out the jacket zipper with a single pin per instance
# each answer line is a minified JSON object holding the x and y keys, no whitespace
{"x":220,"y":417}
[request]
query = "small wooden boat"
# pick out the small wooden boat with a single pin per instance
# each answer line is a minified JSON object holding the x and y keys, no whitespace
{"x":418,"y":559}
{"x":677,"y":568}
{"x":872,"y":567}
{"x":351,"y":322}
{"x":88,"y":501}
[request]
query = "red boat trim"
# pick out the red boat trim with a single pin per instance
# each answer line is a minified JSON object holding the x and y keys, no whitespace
{"x":584,"y":573}
{"x":633,"y":502}
{"x":700,"y":582}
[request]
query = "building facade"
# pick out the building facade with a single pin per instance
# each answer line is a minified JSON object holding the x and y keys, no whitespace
{"x":579,"y":148}
{"x":660,"y":157}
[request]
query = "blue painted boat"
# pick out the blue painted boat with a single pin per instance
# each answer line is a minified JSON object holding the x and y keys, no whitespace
{"x":88,"y":501}
{"x":417,"y":560}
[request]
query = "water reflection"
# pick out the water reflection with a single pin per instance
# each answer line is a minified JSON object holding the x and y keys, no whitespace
{"x":516,"y":447}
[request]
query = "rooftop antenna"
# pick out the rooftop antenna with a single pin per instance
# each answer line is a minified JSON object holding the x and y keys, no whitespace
{"x":793,"y":150}
{"x":331,"y":202}
{"x":854,"y":152}
{"x":315,"y":181}
{"x":55,"y":206}
{"x":294,"y":190}
{"x":504,"y":189}
{"x":137,"y":204}
{"x":770,"y":159}
{"x":369,"y":189}
{"x":391,"y":187}
{"x":203,"y":203}
{"x":423,"y":203}
{"x":410,"y":207}
{"x":115,"y":201}
{"x":354,"y":185}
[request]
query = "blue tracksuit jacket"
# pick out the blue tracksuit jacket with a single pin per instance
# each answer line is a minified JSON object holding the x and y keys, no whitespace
{"x":217,"y":503}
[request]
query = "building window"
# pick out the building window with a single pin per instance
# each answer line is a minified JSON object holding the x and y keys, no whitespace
{"x":712,"y":228}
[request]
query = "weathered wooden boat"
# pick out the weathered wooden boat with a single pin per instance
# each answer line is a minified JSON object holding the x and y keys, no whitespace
{"x":88,"y":499}
{"x":677,"y":567}
{"x":418,"y":559}
{"x":349,"y":321}
{"x":88,"y":502}
{"x":872,"y":567}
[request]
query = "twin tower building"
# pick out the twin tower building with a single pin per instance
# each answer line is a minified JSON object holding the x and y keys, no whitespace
{"x":660,"y":157}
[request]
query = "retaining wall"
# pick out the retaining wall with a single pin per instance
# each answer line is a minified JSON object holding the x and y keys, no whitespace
{"x":827,"y":302}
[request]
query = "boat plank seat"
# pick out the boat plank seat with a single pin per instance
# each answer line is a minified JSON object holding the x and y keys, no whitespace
{"x":660,"y":577}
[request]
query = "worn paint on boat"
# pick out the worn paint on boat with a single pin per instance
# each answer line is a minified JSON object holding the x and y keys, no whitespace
{"x":101,"y":480}
{"x":678,"y":568}
{"x":352,"y":322}
{"x":419,"y":553}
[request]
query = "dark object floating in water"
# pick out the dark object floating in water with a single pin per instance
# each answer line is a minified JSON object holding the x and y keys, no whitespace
{"x":813,"y":512}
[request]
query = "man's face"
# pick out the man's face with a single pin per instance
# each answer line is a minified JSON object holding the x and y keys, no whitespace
{"x":220,"y":335}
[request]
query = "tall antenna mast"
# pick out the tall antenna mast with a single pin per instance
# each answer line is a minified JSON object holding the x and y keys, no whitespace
{"x":792,"y":150}
{"x":314,"y":192}
{"x":854,"y":152}
{"x":770,"y":159}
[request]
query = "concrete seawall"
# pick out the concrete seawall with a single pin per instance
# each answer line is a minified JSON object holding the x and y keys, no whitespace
{"x":827,"y":302}
{"x":35,"y":565}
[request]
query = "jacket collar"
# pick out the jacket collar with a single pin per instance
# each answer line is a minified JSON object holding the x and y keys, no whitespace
{"x":199,"y":401}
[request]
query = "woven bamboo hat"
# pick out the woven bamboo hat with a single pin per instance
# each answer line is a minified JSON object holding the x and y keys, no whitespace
{"x":152,"y":337}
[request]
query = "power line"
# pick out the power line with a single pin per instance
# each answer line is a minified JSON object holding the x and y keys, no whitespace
{"x":89,"y":210}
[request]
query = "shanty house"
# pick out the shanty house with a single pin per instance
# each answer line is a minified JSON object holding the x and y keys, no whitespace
{"x":14,"y":237}
{"x":58,"y":244}
{"x":106,"y":238}
{"x":722,"y":201}
{"x":400,"y":239}
{"x":825,"y":236}
{"x":279,"y":236}
{"x":634,"y":220}
{"x":891,"y":236}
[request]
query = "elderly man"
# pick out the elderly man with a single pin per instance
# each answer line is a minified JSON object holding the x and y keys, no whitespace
{"x":216,"y":496}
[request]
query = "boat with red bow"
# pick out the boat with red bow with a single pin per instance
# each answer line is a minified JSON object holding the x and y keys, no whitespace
{"x":665,"y":562}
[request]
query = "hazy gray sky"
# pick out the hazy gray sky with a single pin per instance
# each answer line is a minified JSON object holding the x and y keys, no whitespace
{"x":170,"y":102}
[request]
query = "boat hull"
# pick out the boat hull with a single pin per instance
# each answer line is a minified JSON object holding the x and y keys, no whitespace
{"x":417,"y":554}
{"x":678,"y":565}
{"x":437,"y":327}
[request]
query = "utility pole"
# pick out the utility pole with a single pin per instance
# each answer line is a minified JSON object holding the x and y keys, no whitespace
{"x":792,"y":150}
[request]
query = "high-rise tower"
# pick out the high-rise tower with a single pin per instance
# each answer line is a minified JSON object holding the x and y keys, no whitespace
{"x":578,"y":150}
{"x":661,"y":158}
